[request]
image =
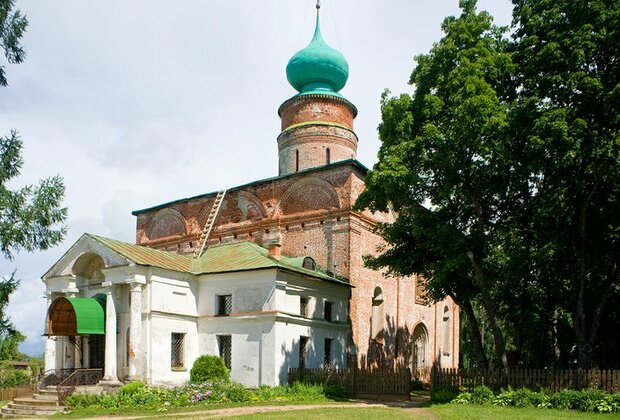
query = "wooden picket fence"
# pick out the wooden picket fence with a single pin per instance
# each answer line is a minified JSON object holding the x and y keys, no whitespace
{"x":535,"y":379}
{"x":24,"y":390}
{"x":393,"y":384}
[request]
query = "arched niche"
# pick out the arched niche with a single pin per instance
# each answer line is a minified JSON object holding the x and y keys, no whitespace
{"x":376,"y":321}
{"x":166,"y":223}
{"x":89,"y":266}
{"x":419,"y":350}
{"x":307,"y":195}
{"x":237,"y":207}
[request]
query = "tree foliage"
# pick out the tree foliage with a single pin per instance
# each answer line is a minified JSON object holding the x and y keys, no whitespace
{"x":502,"y":168}
{"x":31,"y":217}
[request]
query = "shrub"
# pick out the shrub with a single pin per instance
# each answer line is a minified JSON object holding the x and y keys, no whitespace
{"x":208,"y":368}
{"x":444,"y":394}
{"x":91,"y":400}
{"x":138,"y":394}
{"x":482,"y":395}
{"x":566,"y":399}
{"x":11,"y":377}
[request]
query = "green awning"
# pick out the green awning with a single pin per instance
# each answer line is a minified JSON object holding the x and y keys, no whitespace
{"x":76,"y":316}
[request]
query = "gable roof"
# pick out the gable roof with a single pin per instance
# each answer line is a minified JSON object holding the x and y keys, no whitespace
{"x":238,"y":256}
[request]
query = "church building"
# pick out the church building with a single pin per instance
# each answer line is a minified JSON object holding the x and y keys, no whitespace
{"x":268,"y":275}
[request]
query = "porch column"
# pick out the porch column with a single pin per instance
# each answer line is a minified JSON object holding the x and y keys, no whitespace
{"x":78,"y":353}
{"x":135,"y":332}
{"x":110,"y":339}
{"x":50,"y":346}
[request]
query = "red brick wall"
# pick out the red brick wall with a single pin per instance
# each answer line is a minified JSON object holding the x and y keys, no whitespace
{"x":312,"y":212}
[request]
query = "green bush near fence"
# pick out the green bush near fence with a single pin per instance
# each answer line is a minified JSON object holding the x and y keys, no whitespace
{"x":11,"y":377}
{"x":588,"y":400}
{"x":138,"y":394}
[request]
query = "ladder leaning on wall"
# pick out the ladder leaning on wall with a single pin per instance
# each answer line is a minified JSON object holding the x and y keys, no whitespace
{"x":204,"y":236}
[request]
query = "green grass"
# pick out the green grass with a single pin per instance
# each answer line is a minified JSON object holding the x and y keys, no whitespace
{"x":336,"y":413}
{"x":460,"y":411}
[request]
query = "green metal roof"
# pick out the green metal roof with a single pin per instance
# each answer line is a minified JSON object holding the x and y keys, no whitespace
{"x":238,"y":256}
{"x":354,"y":162}
{"x":89,"y":315}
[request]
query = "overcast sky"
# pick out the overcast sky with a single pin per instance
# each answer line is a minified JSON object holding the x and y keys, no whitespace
{"x":136,"y":103}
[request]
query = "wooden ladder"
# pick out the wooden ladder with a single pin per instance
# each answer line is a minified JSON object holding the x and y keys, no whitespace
{"x":204,"y":236}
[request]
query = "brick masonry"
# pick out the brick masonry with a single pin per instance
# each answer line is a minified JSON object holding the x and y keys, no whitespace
{"x":311,"y":210}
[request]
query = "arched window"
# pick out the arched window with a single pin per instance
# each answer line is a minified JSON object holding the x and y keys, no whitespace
{"x":296,"y":160}
{"x":376,"y":322}
{"x":328,"y":156}
{"x":446,"y":342}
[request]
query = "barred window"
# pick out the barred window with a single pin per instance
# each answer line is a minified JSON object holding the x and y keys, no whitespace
{"x":177,"y":345}
{"x":327,"y":353}
{"x":224,"y":305}
{"x":225,"y":346}
{"x":303,"y":307}
{"x":327,"y":311}
{"x":303,"y":347}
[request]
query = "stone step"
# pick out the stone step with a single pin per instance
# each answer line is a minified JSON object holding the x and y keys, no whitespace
{"x":52,"y":407}
{"x":28,"y":412}
{"x":32,"y":401}
{"x":45,"y":391}
{"x":47,"y":397}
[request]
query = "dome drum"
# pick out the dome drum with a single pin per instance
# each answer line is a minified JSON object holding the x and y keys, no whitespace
{"x":327,"y":108}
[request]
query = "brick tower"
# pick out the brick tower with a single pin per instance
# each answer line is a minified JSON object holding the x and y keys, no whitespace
{"x":317,"y":123}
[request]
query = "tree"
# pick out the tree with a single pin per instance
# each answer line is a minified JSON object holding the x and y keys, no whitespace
{"x":442,"y":168}
{"x":567,"y":56}
{"x":31,"y":217}
{"x":504,"y":171}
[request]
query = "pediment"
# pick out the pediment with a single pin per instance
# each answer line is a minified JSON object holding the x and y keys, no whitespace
{"x":85,"y":245}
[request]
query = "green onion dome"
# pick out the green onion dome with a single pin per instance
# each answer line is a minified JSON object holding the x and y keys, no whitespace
{"x":318,"y":68}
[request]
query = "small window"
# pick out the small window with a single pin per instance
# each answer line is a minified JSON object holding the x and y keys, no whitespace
{"x":224,"y":305}
{"x":296,"y":160}
{"x":328,"y":156}
{"x":309,"y":264}
{"x":327,"y":353}
{"x":327,"y":311}
{"x":177,"y":347}
{"x":225,"y":346}
{"x":303,"y":348}
{"x":303,"y":307}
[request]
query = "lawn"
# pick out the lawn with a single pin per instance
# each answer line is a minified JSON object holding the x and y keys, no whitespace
{"x":338,"y":413}
{"x":460,"y":411}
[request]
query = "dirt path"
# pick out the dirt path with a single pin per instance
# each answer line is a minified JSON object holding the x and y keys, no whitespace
{"x":414,"y":407}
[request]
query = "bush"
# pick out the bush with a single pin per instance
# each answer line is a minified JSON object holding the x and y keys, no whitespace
{"x":208,"y":368}
{"x":566,"y":399}
{"x":91,"y":400}
{"x":138,"y":394}
{"x":11,"y":377}
{"x":482,"y":395}
{"x":444,"y":394}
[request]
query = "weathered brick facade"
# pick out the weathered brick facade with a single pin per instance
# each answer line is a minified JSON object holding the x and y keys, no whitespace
{"x":309,"y":208}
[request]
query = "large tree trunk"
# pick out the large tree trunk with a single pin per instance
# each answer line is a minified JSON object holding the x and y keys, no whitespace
{"x":489,"y":308}
{"x":465,"y":305}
